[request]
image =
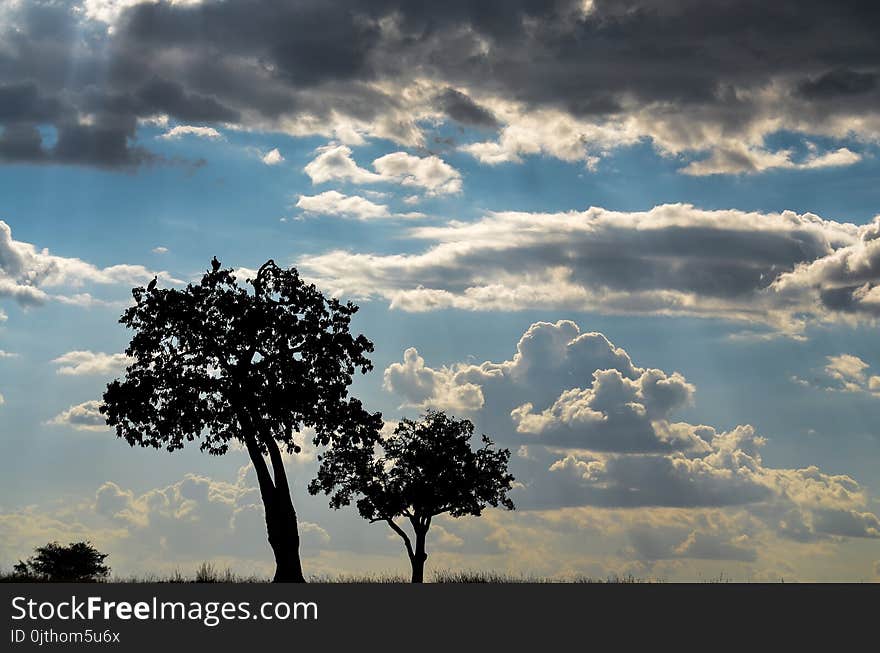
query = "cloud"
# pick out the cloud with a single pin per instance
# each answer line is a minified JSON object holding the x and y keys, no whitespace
{"x":332,"y":202}
{"x":159,"y":250}
{"x":177,"y":525}
{"x":844,"y":373}
{"x":272,"y":157}
{"x":430,"y":173}
{"x":739,"y":159}
{"x":556,"y":79}
{"x":26,"y":273}
{"x":7,"y":354}
{"x":177,"y":519}
{"x":461,"y":108}
{"x":423,"y":387}
{"x":837,"y":84}
{"x":162,"y":530}
{"x":550,"y":132}
{"x":87,"y":300}
{"x":675,"y":130}
{"x":334,"y":163}
{"x":845,"y":281}
{"x":614,"y":414}
{"x":189,"y":130}
{"x":847,"y":523}
{"x":588,"y":393}
{"x":674,"y":259}
{"x":82,"y":363}
{"x":846,"y":368}
{"x":82,"y":417}
{"x":653,"y":542}
{"x":725,"y":471}
{"x":600,"y":431}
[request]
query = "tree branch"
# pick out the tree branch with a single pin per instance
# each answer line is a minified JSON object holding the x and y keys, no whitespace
{"x":277,"y":464}
{"x":397,"y":529}
{"x":265,"y":481}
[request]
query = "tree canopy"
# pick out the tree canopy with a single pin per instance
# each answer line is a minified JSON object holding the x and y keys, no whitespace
{"x":426,"y":468}
{"x":216,"y":361}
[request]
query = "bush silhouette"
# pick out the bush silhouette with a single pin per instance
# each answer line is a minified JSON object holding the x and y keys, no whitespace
{"x":77,"y":562}
{"x":424,"y":469}
{"x":219,"y":362}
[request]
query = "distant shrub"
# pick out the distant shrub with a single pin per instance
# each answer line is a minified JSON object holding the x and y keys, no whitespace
{"x":78,"y":562}
{"x":21,"y":570}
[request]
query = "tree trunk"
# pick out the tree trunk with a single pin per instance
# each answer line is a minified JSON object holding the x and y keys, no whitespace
{"x":284,"y":540}
{"x":419,"y":556}
{"x":280,"y":515}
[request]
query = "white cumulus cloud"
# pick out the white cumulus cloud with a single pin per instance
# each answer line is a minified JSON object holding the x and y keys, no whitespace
{"x":601,"y":431}
{"x":27,"y":274}
{"x":180,"y":131}
{"x":434,"y":176}
{"x":84,"y":362}
{"x":272,"y":157}
{"x":334,"y":203}
{"x":82,"y":417}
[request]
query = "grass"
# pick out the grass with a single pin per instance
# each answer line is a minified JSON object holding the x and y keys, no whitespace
{"x":208,"y":573}
{"x":380,"y":577}
{"x":455,"y":576}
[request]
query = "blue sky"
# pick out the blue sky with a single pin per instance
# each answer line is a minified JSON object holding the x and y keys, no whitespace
{"x":674,"y":288}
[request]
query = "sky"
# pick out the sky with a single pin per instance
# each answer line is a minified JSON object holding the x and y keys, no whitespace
{"x":633,"y":241}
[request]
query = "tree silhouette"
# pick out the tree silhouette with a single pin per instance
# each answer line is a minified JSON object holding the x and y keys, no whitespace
{"x":424,"y":469}
{"x":77,"y":562}
{"x":219,"y":362}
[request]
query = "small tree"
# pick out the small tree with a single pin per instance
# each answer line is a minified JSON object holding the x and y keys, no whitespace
{"x":221,"y":362}
{"x":77,"y":562}
{"x":424,"y":469}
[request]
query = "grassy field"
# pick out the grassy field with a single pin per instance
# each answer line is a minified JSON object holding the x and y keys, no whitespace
{"x":208,"y":573}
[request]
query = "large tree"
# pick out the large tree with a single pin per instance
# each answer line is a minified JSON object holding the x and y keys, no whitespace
{"x":426,"y":468}
{"x":222,"y":362}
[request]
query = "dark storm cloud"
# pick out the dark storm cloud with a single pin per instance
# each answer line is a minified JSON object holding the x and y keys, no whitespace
{"x":99,"y":146}
{"x":306,"y":42}
{"x":23,"y":109}
{"x":838,"y":83}
{"x":47,"y":64}
{"x":162,"y":96}
{"x":22,"y":143}
{"x":24,"y":103}
{"x":258,"y":61}
{"x":539,"y":51}
{"x":463,"y":109}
